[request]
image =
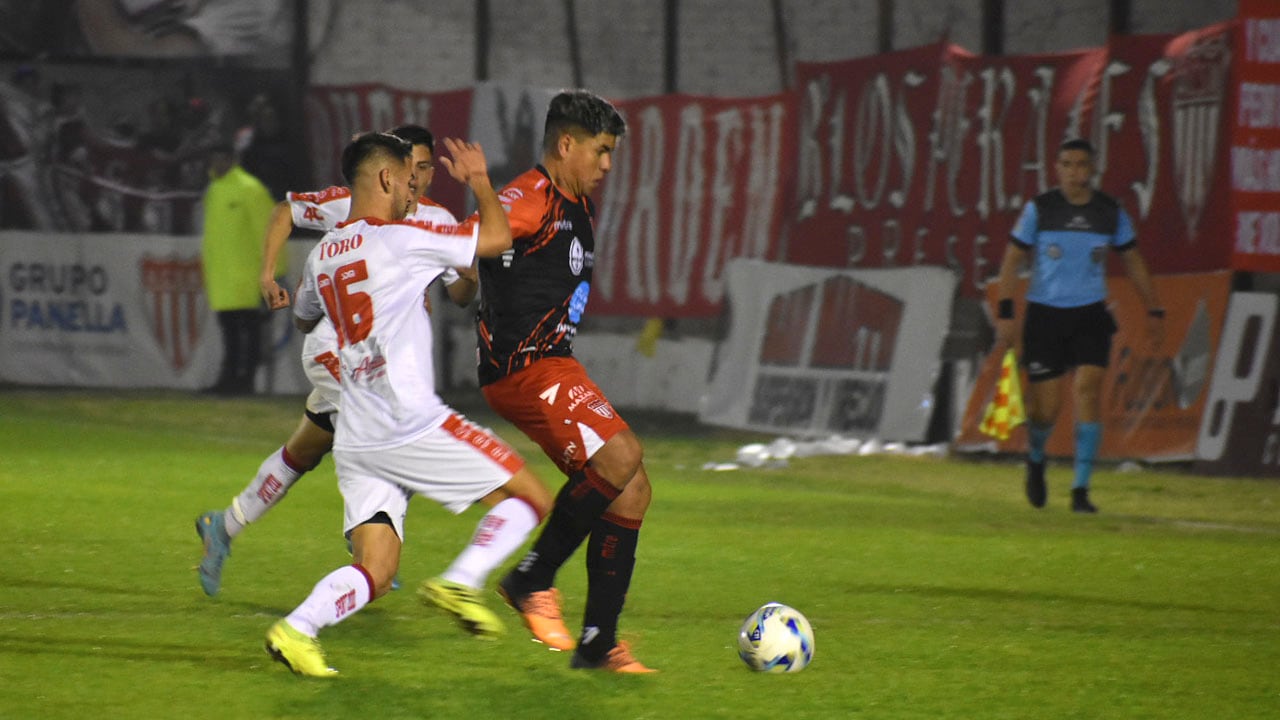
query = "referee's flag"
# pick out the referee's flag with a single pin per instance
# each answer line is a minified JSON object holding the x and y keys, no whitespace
{"x":1004,"y":412}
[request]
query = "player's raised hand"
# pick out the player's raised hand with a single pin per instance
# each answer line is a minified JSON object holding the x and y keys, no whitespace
{"x":465,"y":161}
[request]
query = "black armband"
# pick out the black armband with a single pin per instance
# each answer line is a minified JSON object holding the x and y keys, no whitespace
{"x":1004,"y":309}
{"x":1157,"y":313}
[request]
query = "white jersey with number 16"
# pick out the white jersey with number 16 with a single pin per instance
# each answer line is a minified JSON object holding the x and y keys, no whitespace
{"x":367,"y":277}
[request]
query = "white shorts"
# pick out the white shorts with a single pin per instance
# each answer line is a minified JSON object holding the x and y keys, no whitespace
{"x":320,"y":363}
{"x":455,"y":465}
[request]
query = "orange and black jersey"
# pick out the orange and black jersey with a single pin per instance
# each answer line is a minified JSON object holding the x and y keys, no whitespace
{"x":533,"y":296}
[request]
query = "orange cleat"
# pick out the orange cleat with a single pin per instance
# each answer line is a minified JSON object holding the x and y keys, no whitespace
{"x":619,"y":660}
{"x":540,"y":612}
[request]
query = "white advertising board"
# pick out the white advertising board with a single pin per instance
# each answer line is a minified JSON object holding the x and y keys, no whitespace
{"x":823,"y":351}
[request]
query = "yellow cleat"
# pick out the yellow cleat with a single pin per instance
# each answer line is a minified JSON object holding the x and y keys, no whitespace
{"x":301,"y":654}
{"x":464,"y":604}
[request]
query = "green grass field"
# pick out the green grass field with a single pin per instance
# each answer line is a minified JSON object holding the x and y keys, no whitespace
{"x":934,"y":590}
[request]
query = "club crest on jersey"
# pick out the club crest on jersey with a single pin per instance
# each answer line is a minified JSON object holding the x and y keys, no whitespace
{"x":1098,"y":254}
{"x":601,"y":408}
{"x":576,"y":255}
{"x":175,"y":292}
{"x":1054,"y":251}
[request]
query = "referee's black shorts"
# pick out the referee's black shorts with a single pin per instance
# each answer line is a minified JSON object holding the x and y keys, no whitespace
{"x":1056,"y":339}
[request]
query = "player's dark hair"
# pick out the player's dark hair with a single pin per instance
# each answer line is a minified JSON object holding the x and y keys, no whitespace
{"x":416,"y":135}
{"x":582,"y":112}
{"x":371,"y":145}
{"x":1077,"y":144}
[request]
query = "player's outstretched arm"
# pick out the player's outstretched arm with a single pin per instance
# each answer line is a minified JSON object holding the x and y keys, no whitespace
{"x":466,"y":164}
{"x":279,"y":228}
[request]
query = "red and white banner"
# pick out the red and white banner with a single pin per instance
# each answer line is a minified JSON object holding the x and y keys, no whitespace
{"x":336,"y":113}
{"x":696,"y":182}
{"x":926,"y":156}
{"x":821,"y":351}
{"x":1255,"y":139}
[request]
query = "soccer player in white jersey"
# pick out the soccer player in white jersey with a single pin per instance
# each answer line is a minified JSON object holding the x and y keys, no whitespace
{"x":395,"y":437}
{"x":313,"y":437}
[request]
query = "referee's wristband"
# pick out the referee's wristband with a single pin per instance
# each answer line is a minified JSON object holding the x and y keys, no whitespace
{"x":1157,"y":313}
{"x":1004,"y":309}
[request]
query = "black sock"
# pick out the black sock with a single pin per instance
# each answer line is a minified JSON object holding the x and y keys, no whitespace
{"x":578,"y":505}
{"x":611,"y":558}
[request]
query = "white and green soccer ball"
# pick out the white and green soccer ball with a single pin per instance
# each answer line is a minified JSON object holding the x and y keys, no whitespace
{"x":776,"y":638}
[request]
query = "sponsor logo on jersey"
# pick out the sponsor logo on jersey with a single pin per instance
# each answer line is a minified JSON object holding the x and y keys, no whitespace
{"x":570,"y":450}
{"x":175,"y":294}
{"x":1079,"y":222}
{"x":578,"y":302}
{"x":550,"y":394}
{"x":369,"y":368}
{"x":579,"y":395}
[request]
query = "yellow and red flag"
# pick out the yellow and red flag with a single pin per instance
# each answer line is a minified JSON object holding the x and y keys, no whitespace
{"x":1005,"y":412}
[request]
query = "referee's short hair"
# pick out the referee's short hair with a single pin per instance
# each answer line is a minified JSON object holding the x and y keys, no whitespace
{"x":369,"y":146}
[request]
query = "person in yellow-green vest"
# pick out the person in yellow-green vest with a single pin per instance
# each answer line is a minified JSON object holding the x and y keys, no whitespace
{"x":237,"y":207}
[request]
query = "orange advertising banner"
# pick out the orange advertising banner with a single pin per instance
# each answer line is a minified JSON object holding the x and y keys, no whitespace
{"x":1153,"y":395}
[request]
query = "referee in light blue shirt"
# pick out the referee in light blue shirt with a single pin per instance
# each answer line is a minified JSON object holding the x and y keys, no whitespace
{"x":1066,"y":234}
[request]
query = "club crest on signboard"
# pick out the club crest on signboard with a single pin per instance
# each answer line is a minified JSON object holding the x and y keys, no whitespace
{"x":175,"y":305}
{"x":1200,"y":79}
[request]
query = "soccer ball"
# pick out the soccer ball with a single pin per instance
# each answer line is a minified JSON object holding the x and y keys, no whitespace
{"x":776,"y":638}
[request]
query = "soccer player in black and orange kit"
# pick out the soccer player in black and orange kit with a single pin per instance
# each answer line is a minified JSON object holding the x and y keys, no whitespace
{"x":532,"y":299}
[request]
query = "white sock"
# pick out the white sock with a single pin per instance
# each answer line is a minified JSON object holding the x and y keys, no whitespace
{"x":275,"y":477}
{"x":500,"y":532}
{"x":336,"y":597}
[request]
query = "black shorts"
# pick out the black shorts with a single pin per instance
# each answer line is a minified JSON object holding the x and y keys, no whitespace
{"x":1057,"y":339}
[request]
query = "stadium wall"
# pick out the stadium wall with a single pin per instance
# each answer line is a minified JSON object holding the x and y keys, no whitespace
{"x":725,"y":49}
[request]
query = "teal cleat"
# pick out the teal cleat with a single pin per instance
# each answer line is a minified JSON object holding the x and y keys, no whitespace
{"x":217,"y":546}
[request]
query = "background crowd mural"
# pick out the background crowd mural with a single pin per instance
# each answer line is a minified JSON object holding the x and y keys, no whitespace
{"x":909,"y":148}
